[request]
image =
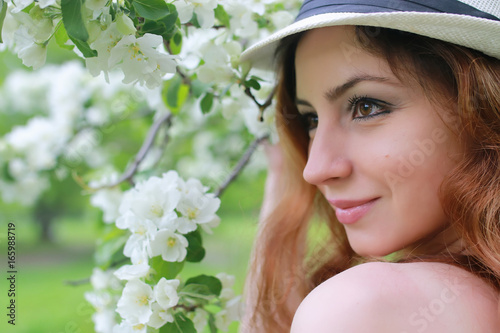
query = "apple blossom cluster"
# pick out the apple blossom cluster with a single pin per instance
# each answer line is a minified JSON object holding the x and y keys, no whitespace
{"x":108,"y":39}
{"x":162,"y":217}
{"x":160,"y":211}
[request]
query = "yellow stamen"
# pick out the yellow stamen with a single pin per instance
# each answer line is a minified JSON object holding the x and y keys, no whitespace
{"x":192,"y":213}
{"x":138,"y":327}
{"x":157,"y":210}
{"x":143,"y":300}
{"x":171,"y":242}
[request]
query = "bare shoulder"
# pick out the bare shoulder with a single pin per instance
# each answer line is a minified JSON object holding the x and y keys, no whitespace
{"x":410,"y":297}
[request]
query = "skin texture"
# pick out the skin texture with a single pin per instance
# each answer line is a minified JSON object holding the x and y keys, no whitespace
{"x":374,"y":137}
{"x":398,"y":155}
{"x":386,"y":297}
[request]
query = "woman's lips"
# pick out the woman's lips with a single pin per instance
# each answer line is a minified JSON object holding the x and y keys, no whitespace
{"x":350,"y":211}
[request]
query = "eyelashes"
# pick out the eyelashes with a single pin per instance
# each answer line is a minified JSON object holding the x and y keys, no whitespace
{"x":364,"y":107}
{"x":361,"y":108}
{"x":309,"y":120}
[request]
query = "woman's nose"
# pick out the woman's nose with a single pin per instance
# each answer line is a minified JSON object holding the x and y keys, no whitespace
{"x":328,"y":157}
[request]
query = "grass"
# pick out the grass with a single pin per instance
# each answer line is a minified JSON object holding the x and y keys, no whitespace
{"x":45,"y":303}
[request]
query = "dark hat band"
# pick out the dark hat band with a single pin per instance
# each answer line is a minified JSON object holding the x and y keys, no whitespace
{"x":316,"y":7}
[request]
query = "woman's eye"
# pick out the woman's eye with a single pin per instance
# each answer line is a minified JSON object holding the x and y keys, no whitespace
{"x":309,"y":120}
{"x":364,"y":107}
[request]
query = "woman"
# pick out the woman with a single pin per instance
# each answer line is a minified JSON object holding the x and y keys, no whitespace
{"x":389,"y":116}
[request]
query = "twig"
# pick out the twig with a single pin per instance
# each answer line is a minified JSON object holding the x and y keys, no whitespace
{"x":146,"y":146}
{"x":87,"y":280}
{"x":268,"y":101}
{"x":77,"y":282}
{"x":262,"y":106}
{"x":241,"y":164}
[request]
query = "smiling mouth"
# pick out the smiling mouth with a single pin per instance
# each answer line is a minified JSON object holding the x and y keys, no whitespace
{"x":350,"y":211}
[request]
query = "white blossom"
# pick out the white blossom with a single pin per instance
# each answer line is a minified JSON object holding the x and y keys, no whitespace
{"x":141,"y":61}
{"x":199,"y":317}
{"x":46,"y":3}
{"x":160,"y":316}
{"x":219,"y":61}
{"x":171,"y":246}
{"x":104,"y":320}
{"x":19,"y":5}
{"x":242,"y":22}
{"x":103,"y":279}
{"x":231,"y":312}
{"x":130,"y":272}
{"x":153,"y":200}
{"x":135,"y":303}
{"x":204,"y":10}
{"x":126,"y":327}
{"x":33,"y":55}
{"x":143,"y":231}
{"x":165,"y":293}
{"x":197,"y":208}
{"x":103,"y":44}
{"x":31,"y":52}
{"x":25,"y":190}
{"x":108,"y":200}
{"x":105,"y":305}
{"x":227,"y":281}
{"x":282,"y":19}
{"x":40,"y":140}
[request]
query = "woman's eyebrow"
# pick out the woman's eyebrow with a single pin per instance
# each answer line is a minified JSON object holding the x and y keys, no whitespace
{"x":334,"y":93}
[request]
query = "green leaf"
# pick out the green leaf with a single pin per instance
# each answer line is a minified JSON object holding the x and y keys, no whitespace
{"x":175,"y":94}
{"x":166,"y":269}
{"x":84,"y":47}
{"x":196,"y":289}
{"x":73,"y":19}
{"x":211,"y":323}
{"x":29,"y":8}
{"x":176,"y":43}
{"x":252,"y":83}
{"x":151,"y":9}
{"x":75,"y":26}
{"x":214,"y":285}
{"x":6,"y":173}
{"x":165,"y":27}
{"x":199,"y":88}
{"x":3,"y":12}
{"x":222,"y":16}
{"x":194,"y":21}
{"x":181,"y":324}
{"x":206,"y":103}
{"x":62,"y":37}
{"x":195,"y":250}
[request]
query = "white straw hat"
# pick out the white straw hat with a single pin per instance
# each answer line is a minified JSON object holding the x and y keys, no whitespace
{"x":471,"y":23}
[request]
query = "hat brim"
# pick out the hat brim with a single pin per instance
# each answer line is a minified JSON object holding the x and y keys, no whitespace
{"x":476,"y":33}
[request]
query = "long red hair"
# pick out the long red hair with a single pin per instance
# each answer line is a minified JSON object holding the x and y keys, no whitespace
{"x":286,"y":266}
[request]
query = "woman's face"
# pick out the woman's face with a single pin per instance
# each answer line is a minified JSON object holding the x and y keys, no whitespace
{"x":379,"y":150}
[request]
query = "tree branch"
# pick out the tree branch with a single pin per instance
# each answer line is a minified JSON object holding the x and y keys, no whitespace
{"x":240,"y":165}
{"x":146,"y":146}
{"x":77,"y":282}
{"x":262,"y":106}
